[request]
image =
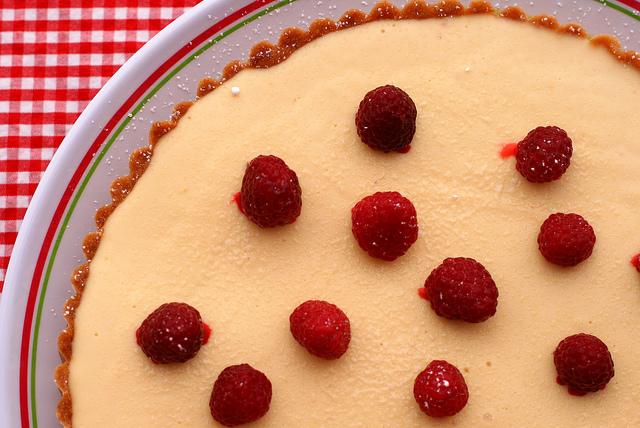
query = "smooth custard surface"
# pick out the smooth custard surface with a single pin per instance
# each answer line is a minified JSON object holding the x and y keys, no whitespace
{"x":478,"y":82}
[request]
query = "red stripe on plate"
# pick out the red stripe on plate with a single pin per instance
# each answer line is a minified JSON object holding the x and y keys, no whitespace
{"x":634,"y":4}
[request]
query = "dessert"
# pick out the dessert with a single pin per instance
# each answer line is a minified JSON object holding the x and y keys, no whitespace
{"x":478,"y":81}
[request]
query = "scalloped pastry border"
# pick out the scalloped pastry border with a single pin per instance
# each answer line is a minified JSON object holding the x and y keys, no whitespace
{"x":264,"y":55}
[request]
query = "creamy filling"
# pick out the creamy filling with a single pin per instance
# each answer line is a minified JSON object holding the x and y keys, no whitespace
{"x":478,"y":82}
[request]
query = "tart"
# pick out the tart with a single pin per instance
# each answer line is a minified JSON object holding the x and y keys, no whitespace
{"x":480,"y":80}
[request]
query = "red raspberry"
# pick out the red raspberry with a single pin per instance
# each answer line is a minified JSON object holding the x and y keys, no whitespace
{"x":386,"y":119}
{"x":462,"y":289}
{"x":385,"y":225}
{"x":173,"y":333}
{"x":635,"y":262}
{"x":440,"y":389}
{"x":240,"y":395}
{"x":583,"y":363}
{"x":271,"y":194}
{"x":544,"y":154}
{"x":566,"y":239}
{"x":322,"y":328}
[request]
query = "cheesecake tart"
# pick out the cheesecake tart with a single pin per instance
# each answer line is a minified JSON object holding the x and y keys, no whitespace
{"x":480,"y":81}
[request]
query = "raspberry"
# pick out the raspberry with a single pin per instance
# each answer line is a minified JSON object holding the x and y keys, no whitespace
{"x":635,"y":262}
{"x":462,"y":289}
{"x":385,"y":225}
{"x":386,"y":119}
{"x":583,"y":363}
{"x":240,"y":395}
{"x":544,"y":154}
{"x":271,"y":194}
{"x":322,"y":328}
{"x":173,"y":333}
{"x":566,"y":239}
{"x":440,"y":389}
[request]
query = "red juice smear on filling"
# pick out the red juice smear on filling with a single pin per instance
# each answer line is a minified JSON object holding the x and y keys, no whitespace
{"x":207,"y":333}
{"x":236,"y":199}
{"x":573,"y":391}
{"x":508,"y":150}
{"x":405,"y":150}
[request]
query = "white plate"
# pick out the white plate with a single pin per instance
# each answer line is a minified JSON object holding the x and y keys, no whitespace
{"x":96,"y":151}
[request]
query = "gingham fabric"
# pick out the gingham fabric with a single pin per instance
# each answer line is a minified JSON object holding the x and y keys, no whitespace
{"x":55,"y":55}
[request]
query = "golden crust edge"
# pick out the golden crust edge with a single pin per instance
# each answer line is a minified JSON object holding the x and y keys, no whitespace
{"x":264,"y":55}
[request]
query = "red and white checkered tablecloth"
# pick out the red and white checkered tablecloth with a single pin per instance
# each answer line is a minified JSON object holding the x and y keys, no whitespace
{"x":54,"y":57}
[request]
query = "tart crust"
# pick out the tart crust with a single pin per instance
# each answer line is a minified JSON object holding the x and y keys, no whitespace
{"x":264,"y":55}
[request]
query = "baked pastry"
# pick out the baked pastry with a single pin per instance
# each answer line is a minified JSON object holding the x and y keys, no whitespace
{"x":479,"y":82}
